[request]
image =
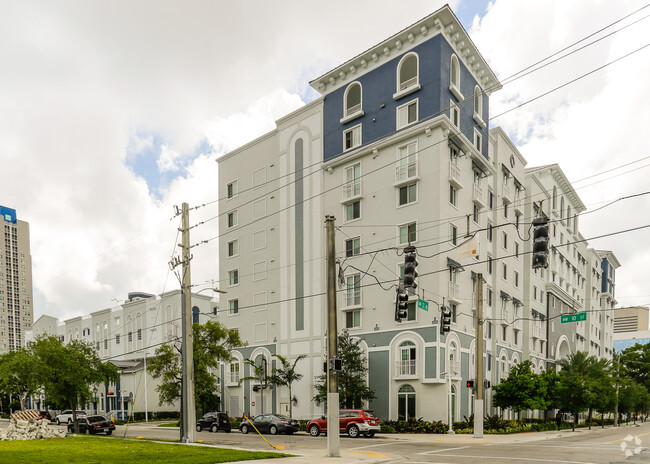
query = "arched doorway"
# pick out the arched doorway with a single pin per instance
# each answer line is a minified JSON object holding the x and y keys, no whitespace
{"x":406,"y":403}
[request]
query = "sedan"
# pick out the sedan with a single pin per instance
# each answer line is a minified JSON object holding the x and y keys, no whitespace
{"x":271,"y":423}
{"x":93,"y":424}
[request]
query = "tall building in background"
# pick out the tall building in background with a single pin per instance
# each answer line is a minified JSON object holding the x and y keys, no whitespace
{"x":16,"y":310}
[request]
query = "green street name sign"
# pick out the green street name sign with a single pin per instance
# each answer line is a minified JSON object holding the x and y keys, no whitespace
{"x":573,"y":317}
{"x":423,"y":305}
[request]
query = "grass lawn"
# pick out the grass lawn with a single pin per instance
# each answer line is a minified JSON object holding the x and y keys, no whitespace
{"x":98,"y":450}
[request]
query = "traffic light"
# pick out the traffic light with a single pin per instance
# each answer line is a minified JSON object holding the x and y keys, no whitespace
{"x":410,"y":268}
{"x":445,"y":319}
{"x":540,"y":243}
{"x":401,"y":306}
{"x":486,"y":384}
{"x":470,"y":384}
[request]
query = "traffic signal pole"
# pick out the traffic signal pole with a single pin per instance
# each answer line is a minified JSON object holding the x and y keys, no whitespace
{"x":333,"y":437}
{"x":479,"y":384}
{"x":188,"y":420}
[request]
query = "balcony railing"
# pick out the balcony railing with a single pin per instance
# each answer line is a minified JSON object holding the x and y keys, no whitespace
{"x":536,"y":331}
{"x":477,"y":195}
{"x":406,"y":171}
{"x":519,"y":205}
{"x":353,"y":298}
{"x":352,"y":189}
{"x":408,"y":83}
{"x":506,"y":193}
{"x":233,"y":377}
{"x":454,"y":174}
{"x":453,"y":368}
{"x":454,"y":291}
{"x":353,"y":109}
{"x":405,"y":367}
{"x":506,"y":318}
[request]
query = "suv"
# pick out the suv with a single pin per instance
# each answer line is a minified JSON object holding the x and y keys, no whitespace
{"x":351,"y":421}
{"x":214,"y":421}
{"x":66,"y":416}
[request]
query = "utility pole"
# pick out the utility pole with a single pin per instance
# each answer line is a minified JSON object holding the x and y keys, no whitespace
{"x":479,"y":384}
{"x":333,"y":437}
{"x":187,"y":346}
{"x":618,"y":370}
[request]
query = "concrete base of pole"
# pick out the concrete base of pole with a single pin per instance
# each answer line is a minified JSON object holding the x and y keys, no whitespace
{"x":450,"y":432}
{"x":478,"y":418}
{"x":333,"y":436}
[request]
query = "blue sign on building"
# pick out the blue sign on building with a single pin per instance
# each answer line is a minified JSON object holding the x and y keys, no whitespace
{"x":8,"y":214}
{"x":621,"y":345}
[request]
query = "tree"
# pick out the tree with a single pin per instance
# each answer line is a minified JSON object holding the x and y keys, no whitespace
{"x":635,"y":364}
{"x":599,"y":383}
{"x":19,"y":374}
{"x":212,"y":343}
{"x":68,"y":371}
{"x":286,"y":375}
{"x":574,"y":386}
{"x":353,"y":388}
{"x":522,"y":390}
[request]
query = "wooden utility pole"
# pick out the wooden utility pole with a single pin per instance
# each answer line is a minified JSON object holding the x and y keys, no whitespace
{"x":479,"y":386}
{"x":333,"y":437}
{"x":188,"y":420}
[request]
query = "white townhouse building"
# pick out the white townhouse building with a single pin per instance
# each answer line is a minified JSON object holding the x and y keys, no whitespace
{"x":126,"y":335}
{"x":398,"y":150}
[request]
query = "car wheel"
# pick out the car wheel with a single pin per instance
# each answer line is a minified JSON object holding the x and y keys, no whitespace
{"x":214,"y":428}
{"x":58,"y":422}
{"x":353,"y":431}
{"x":369,"y":434}
{"x":273,"y":430}
{"x":108,"y":432}
{"x":244,"y":429}
{"x":314,"y":431}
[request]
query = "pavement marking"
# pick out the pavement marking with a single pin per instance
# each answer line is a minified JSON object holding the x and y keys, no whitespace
{"x":140,"y":436}
{"x":445,"y":449}
{"x":370,"y":454}
{"x":462,"y":441}
{"x":374,"y":446}
{"x":510,"y":458}
{"x":633,"y":436}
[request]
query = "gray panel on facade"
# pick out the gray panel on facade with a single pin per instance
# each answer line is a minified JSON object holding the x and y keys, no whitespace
{"x":299,"y":268}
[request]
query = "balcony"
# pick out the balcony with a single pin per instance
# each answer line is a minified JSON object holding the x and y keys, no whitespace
{"x":406,"y":171}
{"x":519,"y":205}
{"x":517,"y":324}
{"x":478,"y":196}
{"x":506,"y":193}
{"x":454,"y":292}
{"x":453,"y":368}
{"x":454,"y":175}
{"x":536,"y":331}
{"x":405,"y":368}
{"x":506,"y":317}
{"x":351,"y":190}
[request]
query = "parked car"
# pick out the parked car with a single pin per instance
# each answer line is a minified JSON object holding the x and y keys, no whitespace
{"x":66,"y":416}
{"x":271,"y":423}
{"x":44,"y":415}
{"x":93,"y":424}
{"x":351,"y":421}
{"x":214,"y":421}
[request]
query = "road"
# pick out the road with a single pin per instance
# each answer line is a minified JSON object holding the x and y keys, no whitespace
{"x":598,"y":446}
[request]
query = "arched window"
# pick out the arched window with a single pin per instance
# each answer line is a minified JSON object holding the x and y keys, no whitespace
{"x":454,"y":366}
{"x":407,"y":72}
{"x":407,"y":353}
{"x":454,"y":74}
{"x":478,"y":102}
{"x":352,"y":99}
{"x":503,"y":368}
{"x":568,"y":215}
{"x":554,"y":197}
{"x":406,"y":402}
{"x":562,"y":208}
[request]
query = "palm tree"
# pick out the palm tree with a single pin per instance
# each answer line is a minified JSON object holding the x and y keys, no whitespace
{"x":286,"y":375}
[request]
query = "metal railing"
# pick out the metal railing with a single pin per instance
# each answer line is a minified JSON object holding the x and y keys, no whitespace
{"x":408,"y":83}
{"x":351,"y":189}
{"x":353,"y":109}
{"x":405,"y":367}
{"x":353,"y":298}
{"x":406,"y":171}
{"x":454,"y":173}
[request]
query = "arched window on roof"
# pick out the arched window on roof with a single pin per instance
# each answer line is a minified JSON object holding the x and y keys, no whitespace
{"x":407,"y":72}
{"x":454,"y":77}
{"x":478,"y":102}
{"x":353,"y":99}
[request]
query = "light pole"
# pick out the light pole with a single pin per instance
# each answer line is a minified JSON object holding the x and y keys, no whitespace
{"x":95,"y":392}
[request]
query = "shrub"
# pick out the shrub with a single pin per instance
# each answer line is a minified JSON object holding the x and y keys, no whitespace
{"x":494,"y":423}
{"x":386,"y":428}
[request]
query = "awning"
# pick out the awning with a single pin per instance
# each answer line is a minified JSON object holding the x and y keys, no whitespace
{"x":505,"y":295}
{"x":517,"y":302}
{"x":454,"y":264}
{"x":480,"y":168}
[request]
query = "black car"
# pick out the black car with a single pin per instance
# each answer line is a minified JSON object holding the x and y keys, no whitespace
{"x":93,"y":424}
{"x":214,"y":421}
{"x":271,"y":423}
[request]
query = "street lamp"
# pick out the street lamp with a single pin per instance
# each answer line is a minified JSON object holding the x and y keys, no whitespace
{"x":95,"y":391}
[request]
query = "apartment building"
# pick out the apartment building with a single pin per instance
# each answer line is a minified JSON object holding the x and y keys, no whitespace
{"x":398,"y":150}
{"x":16,"y":294}
{"x":126,"y":335}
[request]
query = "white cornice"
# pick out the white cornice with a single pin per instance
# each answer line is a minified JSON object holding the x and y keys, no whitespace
{"x":444,"y":22}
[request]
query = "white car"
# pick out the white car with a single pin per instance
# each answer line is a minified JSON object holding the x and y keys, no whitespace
{"x":66,"y":416}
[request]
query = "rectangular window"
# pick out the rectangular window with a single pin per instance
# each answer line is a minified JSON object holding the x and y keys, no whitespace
{"x":411,"y":311}
{"x":454,"y":114}
{"x":453,"y":274}
{"x":504,"y":334}
{"x":233,"y":306}
{"x":139,"y":334}
{"x":233,"y":277}
{"x":534,"y":292}
{"x":504,"y":274}
{"x":490,"y":231}
{"x":454,"y":312}
{"x":505,"y":210}
{"x":453,"y":155}
{"x":489,"y":299}
{"x":407,"y":233}
{"x":408,"y":165}
{"x":478,"y":140}
{"x":407,"y":114}
{"x":504,"y":242}
{"x":453,"y":195}
{"x":353,"y":319}
{"x":453,"y":234}
{"x":491,"y":199}
{"x":130,"y":336}
{"x":517,"y":249}
{"x":353,"y":246}
{"x":515,"y":333}
{"x":105,"y":344}
{"x":407,"y":194}
{"x":516,"y":279}
{"x":353,"y":210}
{"x":490,"y":265}
{"x":117,"y":339}
{"x":232,"y":219}
{"x":353,"y":181}
{"x":353,"y":290}
{"x":233,"y":189}
{"x":352,"y":138}
{"x":475,"y":214}
{"x":233,"y":248}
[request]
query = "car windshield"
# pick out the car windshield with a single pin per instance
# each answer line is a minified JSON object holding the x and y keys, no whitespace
{"x":369,"y":413}
{"x":281,"y":417}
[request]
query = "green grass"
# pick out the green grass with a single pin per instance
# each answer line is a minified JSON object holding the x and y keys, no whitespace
{"x":100,"y":450}
{"x":169,"y":424}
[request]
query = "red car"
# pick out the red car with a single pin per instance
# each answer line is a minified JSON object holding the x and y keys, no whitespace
{"x":351,"y":421}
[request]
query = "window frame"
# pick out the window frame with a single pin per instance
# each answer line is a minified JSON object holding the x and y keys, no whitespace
{"x":352,"y":130}
{"x":354,"y":247}
{"x":347,"y":114}
{"x":235,"y":244}
{"x":351,"y":204}
{"x":405,"y":107}
{"x":399,"y":91}
{"x":409,"y":233}
{"x":454,"y":84}
{"x":229,"y":193}
{"x":234,"y":214}
{"x":409,"y":200}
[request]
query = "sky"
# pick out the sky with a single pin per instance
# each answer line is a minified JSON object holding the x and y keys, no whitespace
{"x":112,"y":113}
